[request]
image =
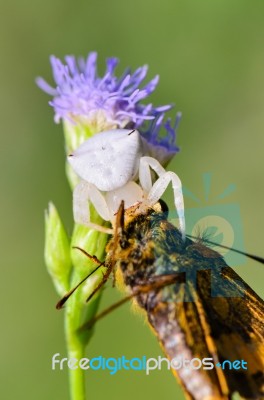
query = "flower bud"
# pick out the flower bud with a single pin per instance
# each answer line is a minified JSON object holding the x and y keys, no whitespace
{"x":57,"y":251}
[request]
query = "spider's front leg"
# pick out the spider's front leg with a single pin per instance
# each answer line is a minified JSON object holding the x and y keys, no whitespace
{"x":83,"y":194}
{"x":156,"y":191}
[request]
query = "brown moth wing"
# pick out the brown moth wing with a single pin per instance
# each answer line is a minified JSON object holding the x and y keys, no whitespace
{"x":214,"y":314}
{"x":235,"y":322}
{"x":181,"y":335}
{"x":224,"y":321}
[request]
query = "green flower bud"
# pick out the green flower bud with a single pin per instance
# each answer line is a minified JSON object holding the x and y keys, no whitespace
{"x":57,"y":251}
{"x":94,"y":243}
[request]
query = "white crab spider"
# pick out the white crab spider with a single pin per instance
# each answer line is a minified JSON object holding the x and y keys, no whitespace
{"x":108,"y":164}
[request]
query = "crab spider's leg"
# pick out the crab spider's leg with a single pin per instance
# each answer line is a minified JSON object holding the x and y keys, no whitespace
{"x":144,"y":171}
{"x":156,"y":191}
{"x":159,"y":188}
{"x":84,"y":193}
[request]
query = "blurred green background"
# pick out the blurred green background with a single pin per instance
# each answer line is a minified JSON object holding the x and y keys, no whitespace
{"x":210,"y":57}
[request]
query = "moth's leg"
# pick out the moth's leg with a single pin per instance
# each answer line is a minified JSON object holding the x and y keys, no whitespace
{"x":159,"y":281}
{"x":108,"y":310}
{"x":156,"y":191}
{"x":83,"y":194}
{"x":156,"y":283}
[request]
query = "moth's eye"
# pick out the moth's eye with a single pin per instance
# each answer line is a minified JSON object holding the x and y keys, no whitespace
{"x":123,"y":244}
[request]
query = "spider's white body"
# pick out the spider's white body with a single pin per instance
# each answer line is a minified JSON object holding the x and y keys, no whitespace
{"x":109,"y":159}
{"x":108,"y":164}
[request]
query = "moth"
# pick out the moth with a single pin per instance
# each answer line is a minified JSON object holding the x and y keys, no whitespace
{"x":196,"y":305}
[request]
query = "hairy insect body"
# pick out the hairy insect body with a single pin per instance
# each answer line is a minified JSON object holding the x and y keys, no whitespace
{"x":197,"y":306}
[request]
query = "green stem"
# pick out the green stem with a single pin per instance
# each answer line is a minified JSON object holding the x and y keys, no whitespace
{"x":76,"y":347}
{"x":78,"y":311}
{"x":76,"y":341}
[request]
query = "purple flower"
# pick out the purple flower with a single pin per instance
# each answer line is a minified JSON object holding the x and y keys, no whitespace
{"x":80,"y":92}
{"x":108,"y":102}
{"x":163,"y":147}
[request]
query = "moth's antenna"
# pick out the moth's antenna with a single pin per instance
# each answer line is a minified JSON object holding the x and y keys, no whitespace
{"x":110,"y":267}
{"x":119,"y":229}
{"x":62,"y":301}
{"x":120,"y":219}
{"x":94,"y":258}
{"x":252,"y":256}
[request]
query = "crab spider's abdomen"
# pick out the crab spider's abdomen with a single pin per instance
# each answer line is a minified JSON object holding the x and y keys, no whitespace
{"x":108,"y":159}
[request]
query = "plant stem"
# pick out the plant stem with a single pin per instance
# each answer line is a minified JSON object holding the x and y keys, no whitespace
{"x":78,"y":311}
{"x":75,"y":347}
{"x":77,"y":341}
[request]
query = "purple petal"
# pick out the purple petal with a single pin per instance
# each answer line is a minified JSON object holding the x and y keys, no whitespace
{"x":42,"y":84}
{"x":80,"y":91}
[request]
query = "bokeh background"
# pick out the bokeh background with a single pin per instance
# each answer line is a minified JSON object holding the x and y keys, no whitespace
{"x":210,"y":58}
